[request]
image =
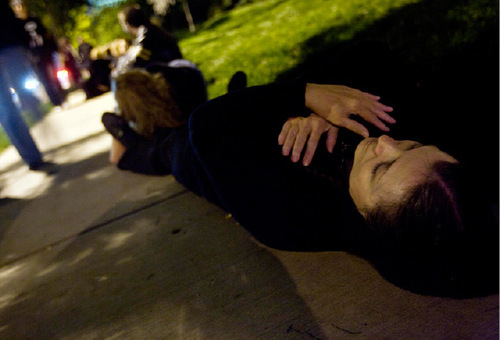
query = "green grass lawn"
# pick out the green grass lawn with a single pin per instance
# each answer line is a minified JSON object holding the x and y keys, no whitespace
{"x":276,"y":39}
{"x":268,"y":38}
{"x":4,"y":141}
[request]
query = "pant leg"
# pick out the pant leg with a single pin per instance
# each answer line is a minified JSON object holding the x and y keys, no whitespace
{"x":46,"y":72}
{"x":19,"y":71}
{"x":15,"y":127}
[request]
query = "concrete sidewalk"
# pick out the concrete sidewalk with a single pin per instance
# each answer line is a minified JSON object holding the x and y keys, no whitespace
{"x":92,"y":252}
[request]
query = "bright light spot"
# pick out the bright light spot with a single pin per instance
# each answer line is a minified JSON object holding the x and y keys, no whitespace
{"x":31,"y":84}
{"x":63,"y":77}
{"x":12,"y":90}
{"x":62,"y":74}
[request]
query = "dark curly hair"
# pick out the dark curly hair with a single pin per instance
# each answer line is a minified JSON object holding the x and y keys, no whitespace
{"x":148,"y":100}
{"x":442,"y":239}
{"x":134,"y":16}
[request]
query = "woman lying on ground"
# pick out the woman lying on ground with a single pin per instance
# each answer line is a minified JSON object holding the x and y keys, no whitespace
{"x":405,"y":206}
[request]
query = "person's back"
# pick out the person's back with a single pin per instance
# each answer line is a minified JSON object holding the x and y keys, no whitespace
{"x":42,"y":42}
{"x":11,"y":29}
{"x":151,"y":43}
{"x":43,"y":48}
{"x":84,"y":49}
{"x":187,"y":81}
{"x":158,"y":46}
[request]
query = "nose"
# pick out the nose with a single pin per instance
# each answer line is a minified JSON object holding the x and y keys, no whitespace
{"x":387,"y":146}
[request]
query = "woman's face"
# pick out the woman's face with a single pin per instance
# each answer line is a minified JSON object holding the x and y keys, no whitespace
{"x":385,"y":169}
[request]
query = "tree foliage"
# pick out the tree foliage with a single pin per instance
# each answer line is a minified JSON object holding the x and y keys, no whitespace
{"x":99,"y":25}
{"x":54,"y":13}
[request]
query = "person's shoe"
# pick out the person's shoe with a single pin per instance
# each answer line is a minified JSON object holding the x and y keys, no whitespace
{"x":238,"y":81}
{"x":48,"y":167}
{"x":118,"y":128}
{"x":114,"y":124}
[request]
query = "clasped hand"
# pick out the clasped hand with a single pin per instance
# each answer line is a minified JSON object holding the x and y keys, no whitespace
{"x":333,"y":107}
{"x":296,"y":131}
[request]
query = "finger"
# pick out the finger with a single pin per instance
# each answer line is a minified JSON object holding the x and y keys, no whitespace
{"x":371,"y":96}
{"x":376,"y":99}
{"x":385,"y":108}
{"x":312,"y":144}
{"x":382,"y":110}
{"x":355,"y":127}
{"x":372,"y":117}
{"x":289,"y":141}
{"x":300,"y":141}
{"x":378,"y":123}
{"x":331,"y":138}
{"x":386,"y":117}
{"x":284,"y":133}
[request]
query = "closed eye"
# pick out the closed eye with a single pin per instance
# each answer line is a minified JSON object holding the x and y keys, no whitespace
{"x":382,"y":167}
{"x":414,"y":146}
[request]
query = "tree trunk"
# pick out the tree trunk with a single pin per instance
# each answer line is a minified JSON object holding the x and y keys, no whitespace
{"x":189,"y":17}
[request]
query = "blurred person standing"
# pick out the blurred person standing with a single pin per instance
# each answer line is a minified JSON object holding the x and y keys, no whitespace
{"x":12,"y":39}
{"x":99,"y":77}
{"x":84,"y":59}
{"x":70,"y":61}
{"x":151,"y":43}
{"x":118,"y":48}
{"x":44,"y":49}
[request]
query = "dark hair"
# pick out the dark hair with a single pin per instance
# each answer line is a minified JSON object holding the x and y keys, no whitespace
{"x":442,"y":239}
{"x":134,"y":16}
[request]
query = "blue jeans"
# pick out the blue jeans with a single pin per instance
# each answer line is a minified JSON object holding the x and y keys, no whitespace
{"x":11,"y":119}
